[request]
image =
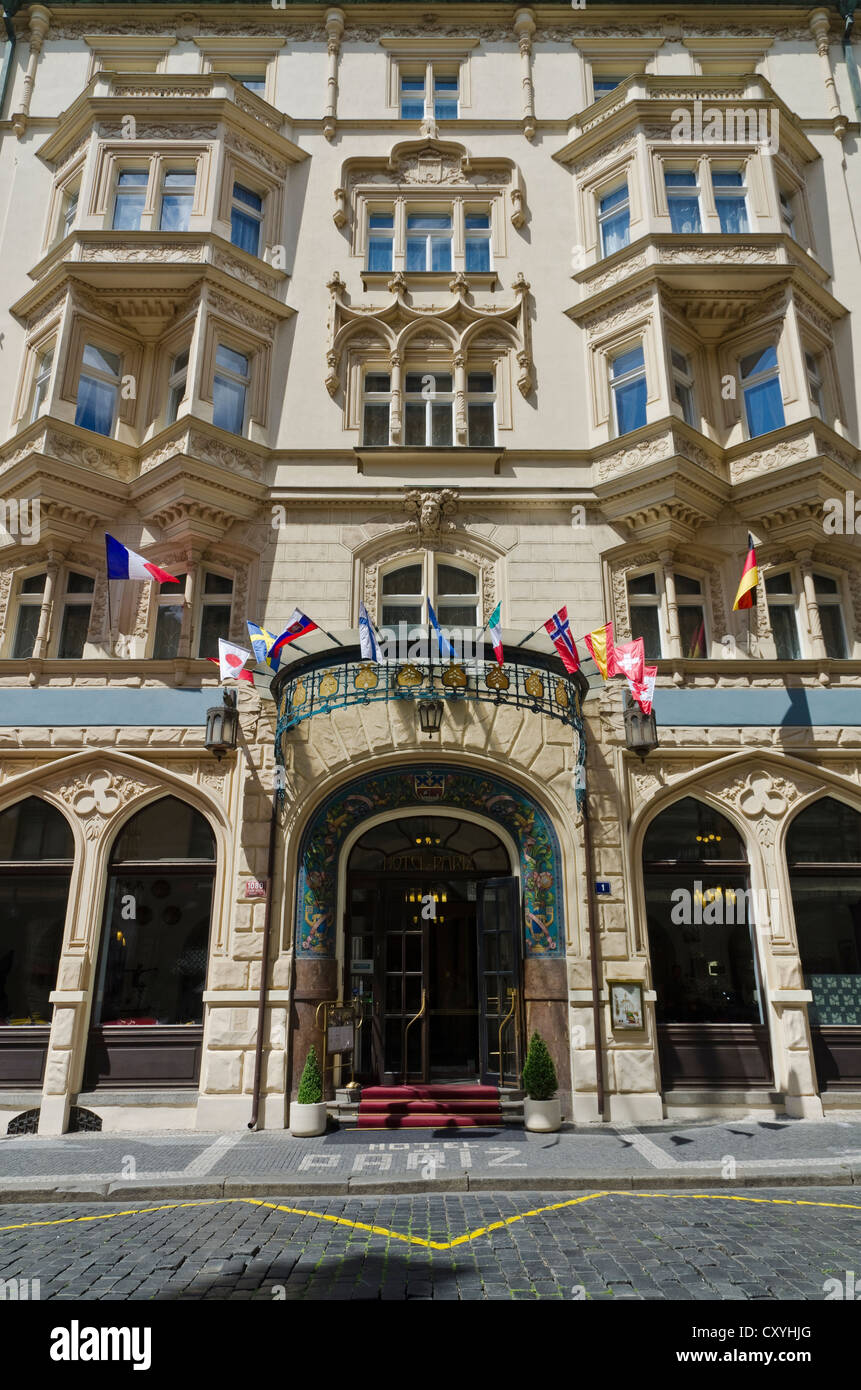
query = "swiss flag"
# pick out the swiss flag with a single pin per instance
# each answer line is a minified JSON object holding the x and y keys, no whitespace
{"x":630,"y":660}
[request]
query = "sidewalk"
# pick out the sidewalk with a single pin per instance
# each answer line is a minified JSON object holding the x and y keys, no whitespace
{"x":118,"y":1167}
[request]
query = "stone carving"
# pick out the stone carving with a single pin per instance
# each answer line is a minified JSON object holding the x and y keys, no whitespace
{"x":275,"y":166}
{"x":6,"y":578}
{"x":720,"y":255}
{"x":616,"y":313}
{"x":119,"y":251}
{"x":242,"y":312}
{"x":89,"y":456}
{"x":612,"y":277}
{"x":178,"y":131}
{"x":764,"y":460}
{"x":224,"y":455}
{"x":636,"y":456}
{"x":605,"y":154}
{"x":430,"y":510}
{"x":95,"y":798}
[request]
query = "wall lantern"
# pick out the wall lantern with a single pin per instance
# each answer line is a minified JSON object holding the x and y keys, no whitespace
{"x":222,"y":722}
{"x":430,"y":716}
{"x":641,"y":730}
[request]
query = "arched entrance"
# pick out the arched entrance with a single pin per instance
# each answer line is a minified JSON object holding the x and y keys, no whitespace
{"x":701,"y":921}
{"x":823,"y":850}
{"x":432,"y":949}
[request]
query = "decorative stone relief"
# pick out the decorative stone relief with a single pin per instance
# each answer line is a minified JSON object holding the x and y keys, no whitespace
{"x":430,"y":510}
{"x":225,"y":455}
{"x":243,"y":313}
{"x":617,"y":313}
{"x":274,"y":165}
{"x":636,"y":456}
{"x":763,"y":460}
{"x":95,"y":798}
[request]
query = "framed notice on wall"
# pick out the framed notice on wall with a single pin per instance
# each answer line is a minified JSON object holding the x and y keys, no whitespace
{"x":626,"y":1005}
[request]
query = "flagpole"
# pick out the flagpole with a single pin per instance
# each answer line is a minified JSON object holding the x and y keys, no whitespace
{"x":530,"y":634}
{"x":110,"y":621}
{"x":331,"y":638}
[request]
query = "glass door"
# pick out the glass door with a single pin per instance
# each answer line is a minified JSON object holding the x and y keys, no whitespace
{"x":401,"y":965}
{"x":499,"y":935}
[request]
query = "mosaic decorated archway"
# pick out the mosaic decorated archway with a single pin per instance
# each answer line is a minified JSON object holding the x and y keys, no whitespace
{"x":405,"y":788}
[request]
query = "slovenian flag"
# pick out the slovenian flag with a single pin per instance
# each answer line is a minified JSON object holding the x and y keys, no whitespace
{"x":445,"y":647}
{"x":367,"y":637}
{"x":494,"y":626}
{"x":262,"y":643}
{"x":127,"y":564}
{"x":297,"y":626}
{"x":746,"y":596}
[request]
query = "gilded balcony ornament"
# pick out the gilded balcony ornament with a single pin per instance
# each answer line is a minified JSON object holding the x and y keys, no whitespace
{"x":534,"y":686}
{"x":561,"y":695}
{"x":454,"y":677}
{"x":328,"y":686}
{"x":299,"y":695}
{"x":496,"y":679}
{"x":409,"y":675}
{"x":366,"y":678}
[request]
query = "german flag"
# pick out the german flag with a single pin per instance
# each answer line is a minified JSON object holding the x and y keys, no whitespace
{"x":746,"y":596}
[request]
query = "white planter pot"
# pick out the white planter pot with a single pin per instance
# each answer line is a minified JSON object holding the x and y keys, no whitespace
{"x":542,"y":1116}
{"x":307,"y":1120}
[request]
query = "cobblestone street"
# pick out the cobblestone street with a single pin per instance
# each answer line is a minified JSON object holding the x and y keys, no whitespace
{"x":783,"y":1244}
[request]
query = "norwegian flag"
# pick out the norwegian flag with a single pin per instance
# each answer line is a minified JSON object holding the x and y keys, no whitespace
{"x":559,"y":629}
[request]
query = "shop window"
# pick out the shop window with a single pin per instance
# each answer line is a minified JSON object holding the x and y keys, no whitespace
{"x":730,"y":194}
{"x":216,"y":607}
{"x":763,"y":399}
{"x":36,"y":853}
{"x":701,"y":918}
{"x":246,"y":219}
{"x":683,"y":200}
{"x":152,"y":962}
{"x":628,"y":389}
{"x":823,"y":849}
{"x":614,"y":220}
{"x":75,"y":620}
{"x":31,"y":596}
{"x":168,"y":622}
{"x":98,"y":389}
{"x":783,"y":615}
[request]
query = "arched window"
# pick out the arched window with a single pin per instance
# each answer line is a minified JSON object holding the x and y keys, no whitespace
{"x":823,"y":849}
{"x":36,"y":852}
{"x":701,"y":916}
{"x":155,"y":939}
{"x":451,"y":588}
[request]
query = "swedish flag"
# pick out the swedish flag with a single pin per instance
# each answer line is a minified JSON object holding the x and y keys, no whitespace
{"x":262,"y":643}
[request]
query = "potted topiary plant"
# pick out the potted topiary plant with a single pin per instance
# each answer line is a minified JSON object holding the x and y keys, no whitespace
{"x":542,"y":1109}
{"x":308,"y":1111}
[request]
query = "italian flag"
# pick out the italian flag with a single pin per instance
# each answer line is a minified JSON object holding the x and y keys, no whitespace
{"x":495,"y":629}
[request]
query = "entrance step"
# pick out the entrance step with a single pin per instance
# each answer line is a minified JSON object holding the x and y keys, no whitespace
{"x":430,"y":1107}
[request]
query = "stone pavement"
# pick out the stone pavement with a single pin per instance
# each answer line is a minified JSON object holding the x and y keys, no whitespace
{"x":120,"y":1167}
{"x":606,"y":1247}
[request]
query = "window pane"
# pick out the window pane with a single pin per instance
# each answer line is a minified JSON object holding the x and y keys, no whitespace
{"x":727,"y":178}
{"x":785,"y":630}
{"x":416,"y":253}
{"x":167,"y":629}
{"x":379,"y":254}
{"x":394,"y":613}
{"x":686,"y":585}
{"x":429,"y":222}
{"x":96,"y":404}
{"x":645,"y":623}
{"x":245,"y":195}
{"x":231,"y":361}
{"x":441,"y":422}
{"x":456,"y":615}
{"x":763,"y":361}
{"x":167,"y":829}
{"x":440,"y":253}
{"x":680,"y":178}
{"x":217,"y":584}
{"x":685,"y":215}
{"x":26,"y":629}
{"x":643,"y":584}
{"x":376,"y":428}
{"x":107,"y":362}
{"x":779,"y":583}
{"x":704,"y":971}
{"x":34,"y":585}
{"x":403,"y":581}
{"x":477,"y":254}
{"x":828,"y":832}
{"x":33,"y":830}
{"x":628,"y":362}
{"x":382,"y":220}
{"x":32,"y":918}
{"x":477,"y":220}
{"x":415,"y":425}
{"x":127,"y":211}
{"x":214,"y":623}
{"x":481,"y":431}
{"x":451,"y":580}
{"x":631,"y":406}
{"x":764,"y":406}
{"x":733,"y":215}
{"x":690,"y":830}
{"x":73,"y":633}
{"x":832,"y":631}
{"x":245,"y":231}
{"x":824,"y":584}
{"x":175,"y":212}
{"x":614,"y":233}
{"x":479,"y":381}
{"x":692,"y":629}
{"x":377,"y":381}
{"x":228,"y":405}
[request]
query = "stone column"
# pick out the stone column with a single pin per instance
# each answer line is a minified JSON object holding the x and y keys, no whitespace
{"x":817,"y":640}
{"x":40,"y":22}
{"x":43,"y":631}
{"x":334,"y":32}
{"x":461,"y":423}
{"x":396,"y":362}
{"x":524,"y":28}
{"x":672,"y":602}
{"x":820,"y":28}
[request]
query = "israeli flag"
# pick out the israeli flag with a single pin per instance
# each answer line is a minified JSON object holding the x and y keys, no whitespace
{"x":367,"y":637}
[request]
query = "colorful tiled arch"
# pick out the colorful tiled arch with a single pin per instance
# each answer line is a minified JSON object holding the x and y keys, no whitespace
{"x":406,"y":788}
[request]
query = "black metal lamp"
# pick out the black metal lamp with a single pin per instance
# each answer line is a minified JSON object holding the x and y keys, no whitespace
{"x":641,"y":730}
{"x":222,"y":722}
{"x":430,"y":716}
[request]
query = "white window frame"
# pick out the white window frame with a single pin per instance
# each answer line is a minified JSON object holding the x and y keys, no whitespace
{"x":177,"y":379}
{"x":374,"y":235}
{"x":815,"y":379}
{"x":376,"y":398}
{"x":21,"y":601}
{"x":790,"y":600}
{"x":625,"y":380}
{"x":429,"y":235}
{"x":684,"y":378}
{"x":699,"y":600}
{"x":234,"y":378}
{"x":69,"y":600}
{"x":655,"y":600}
{"x":603,"y":218}
{"x":736,"y":193}
{"x":690,"y":192}
{"x":747,"y":383}
{"x":443,"y":397}
{"x":257,"y":215}
{"x":102,"y":376}
{"x":212,"y":601}
{"x":430,"y":560}
{"x":835,"y":600}
{"x":483,"y":235}
{"x":42,"y":380}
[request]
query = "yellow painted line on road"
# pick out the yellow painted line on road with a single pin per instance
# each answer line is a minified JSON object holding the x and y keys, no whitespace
{"x":428,"y":1244}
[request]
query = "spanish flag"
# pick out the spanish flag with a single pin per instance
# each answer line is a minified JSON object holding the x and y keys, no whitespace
{"x":602,"y":649}
{"x":746,"y":596}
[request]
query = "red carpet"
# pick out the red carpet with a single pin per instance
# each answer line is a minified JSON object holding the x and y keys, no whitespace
{"x":429,"y":1107}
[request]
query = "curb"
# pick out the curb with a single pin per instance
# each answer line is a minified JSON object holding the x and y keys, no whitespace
{"x":29,"y":1191}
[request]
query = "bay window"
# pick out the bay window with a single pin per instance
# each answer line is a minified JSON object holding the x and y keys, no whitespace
{"x":814,"y":383}
{"x":683,"y":386}
{"x":130,"y":199}
{"x":628,"y":389}
{"x":98,"y":389}
{"x":177,"y":385}
{"x":730,"y":200}
{"x":230,"y":389}
{"x":246,"y":217}
{"x":614,"y":220}
{"x":429,"y":242}
{"x":41,"y":381}
{"x":763,"y":400}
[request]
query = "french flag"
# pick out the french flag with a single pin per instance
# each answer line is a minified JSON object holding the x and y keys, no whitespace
{"x":127,"y":564}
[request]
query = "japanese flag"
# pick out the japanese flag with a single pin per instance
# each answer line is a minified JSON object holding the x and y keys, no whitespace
{"x":231,"y":660}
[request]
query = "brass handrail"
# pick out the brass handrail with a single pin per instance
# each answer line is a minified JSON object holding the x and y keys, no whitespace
{"x":507,"y":1019}
{"x":415,"y":1019}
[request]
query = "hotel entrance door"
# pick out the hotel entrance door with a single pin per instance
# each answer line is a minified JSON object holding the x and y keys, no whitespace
{"x":433,"y":953}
